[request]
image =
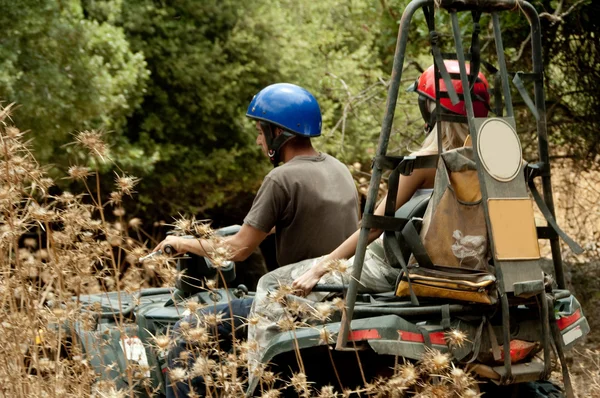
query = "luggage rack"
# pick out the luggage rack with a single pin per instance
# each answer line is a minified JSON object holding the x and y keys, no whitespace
{"x":515,"y":278}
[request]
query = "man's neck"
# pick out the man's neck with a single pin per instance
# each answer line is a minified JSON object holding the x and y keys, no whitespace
{"x":290,"y":152}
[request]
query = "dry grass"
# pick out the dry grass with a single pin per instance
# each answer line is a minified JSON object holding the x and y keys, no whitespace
{"x":55,"y":247}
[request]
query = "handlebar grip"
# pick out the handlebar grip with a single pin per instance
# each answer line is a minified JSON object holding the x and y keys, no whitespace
{"x":168,"y":249}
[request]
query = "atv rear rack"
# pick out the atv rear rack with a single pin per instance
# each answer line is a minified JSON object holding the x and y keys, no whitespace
{"x":514,"y":278}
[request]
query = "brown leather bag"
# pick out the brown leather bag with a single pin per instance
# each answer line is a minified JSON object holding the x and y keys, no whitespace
{"x":453,"y":262}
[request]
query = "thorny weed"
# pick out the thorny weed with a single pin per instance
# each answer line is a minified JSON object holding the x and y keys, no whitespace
{"x":57,"y":247}
{"x":54,"y":248}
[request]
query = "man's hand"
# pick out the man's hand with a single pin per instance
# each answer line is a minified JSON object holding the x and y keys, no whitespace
{"x":176,"y":242}
{"x":305,"y":282}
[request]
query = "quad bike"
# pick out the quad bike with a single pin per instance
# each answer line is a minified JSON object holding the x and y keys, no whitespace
{"x":510,"y":338}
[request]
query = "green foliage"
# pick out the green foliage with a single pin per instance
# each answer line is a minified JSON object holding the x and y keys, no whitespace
{"x":170,"y":82}
{"x":207,"y":61}
{"x":67,"y":72}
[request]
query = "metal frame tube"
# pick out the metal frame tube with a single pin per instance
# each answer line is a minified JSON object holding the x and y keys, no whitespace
{"x":502,"y":65}
{"x":415,"y":311}
{"x":543,"y":149}
{"x":386,"y":128}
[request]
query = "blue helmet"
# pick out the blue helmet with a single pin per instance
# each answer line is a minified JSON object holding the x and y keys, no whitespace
{"x":287,"y":106}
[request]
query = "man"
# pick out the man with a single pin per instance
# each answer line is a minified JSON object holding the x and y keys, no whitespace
{"x":310,"y":201}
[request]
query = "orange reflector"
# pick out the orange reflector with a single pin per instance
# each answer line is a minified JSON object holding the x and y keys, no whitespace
{"x":567,"y":321}
{"x":435,"y":337}
{"x":367,"y":334}
{"x":519,"y":350}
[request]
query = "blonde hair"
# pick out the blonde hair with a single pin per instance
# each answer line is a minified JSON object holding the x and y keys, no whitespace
{"x":453,"y":136}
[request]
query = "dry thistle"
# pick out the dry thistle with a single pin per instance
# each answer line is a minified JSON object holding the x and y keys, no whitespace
{"x":93,"y":140}
{"x":395,"y":387}
{"x":268,"y":377}
{"x":459,"y":379}
{"x":212,"y":319}
{"x":135,"y":223}
{"x":323,"y":311}
{"x":433,"y":361}
{"x":183,"y":226}
{"x":280,"y":295}
{"x":325,"y":336}
{"x":210,"y":284}
{"x":177,"y":374}
{"x":297,"y":308}
{"x":470,"y":393}
{"x":193,"y":306}
{"x":115,"y":198}
{"x":13,"y":132}
{"x":79,"y":172}
{"x":271,"y":394}
{"x":197,"y":335}
{"x":286,"y":324}
{"x":456,"y":338}
{"x":327,"y":392}
{"x":203,"y":230}
{"x":337,"y":265}
{"x":40,"y":213}
{"x":202,"y":366}
{"x":300,"y":383}
{"x":125,"y":184}
{"x":338,"y":303}
{"x":409,"y":374}
{"x":162,"y":343}
{"x":253,"y":320}
{"x":435,"y":391}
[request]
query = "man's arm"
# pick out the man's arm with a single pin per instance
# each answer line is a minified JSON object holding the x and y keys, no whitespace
{"x":241,"y":245}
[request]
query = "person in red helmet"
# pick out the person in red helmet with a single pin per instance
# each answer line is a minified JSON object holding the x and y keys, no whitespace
{"x":377,"y":275}
{"x":425,"y":87}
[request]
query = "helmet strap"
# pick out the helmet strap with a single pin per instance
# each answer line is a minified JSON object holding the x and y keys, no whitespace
{"x":428,"y":116}
{"x":274,"y":143}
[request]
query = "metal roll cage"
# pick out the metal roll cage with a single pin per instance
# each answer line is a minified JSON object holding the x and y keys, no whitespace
{"x":537,"y":107}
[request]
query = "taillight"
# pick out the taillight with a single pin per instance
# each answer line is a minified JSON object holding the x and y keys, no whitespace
{"x":567,"y":321}
{"x":519,"y":350}
{"x":435,"y":337}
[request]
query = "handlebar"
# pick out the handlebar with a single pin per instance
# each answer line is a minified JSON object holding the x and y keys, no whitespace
{"x":168,"y":250}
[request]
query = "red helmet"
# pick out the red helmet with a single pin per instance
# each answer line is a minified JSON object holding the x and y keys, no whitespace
{"x":425,"y":86}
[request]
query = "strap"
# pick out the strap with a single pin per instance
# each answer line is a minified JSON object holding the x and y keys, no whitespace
{"x":405,"y":164}
{"x":441,"y":66}
{"x":434,"y":39}
{"x":446,"y":316}
{"x":477,"y":340}
{"x":546,"y":212}
{"x":494,"y":342}
{"x":475,"y":50}
{"x":395,"y":256}
{"x":425,"y":333}
{"x":525,"y":95}
{"x":274,"y":144}
{"x":557,"y":337}
{"x":386,"y":223}
{"x":449,"y":117}
{"x":413,"y":239}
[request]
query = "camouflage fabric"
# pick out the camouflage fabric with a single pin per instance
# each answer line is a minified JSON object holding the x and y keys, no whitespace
{"x":377,"y":276}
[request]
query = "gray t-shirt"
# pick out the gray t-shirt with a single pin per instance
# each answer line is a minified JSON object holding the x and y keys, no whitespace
{"x":312,"y":202}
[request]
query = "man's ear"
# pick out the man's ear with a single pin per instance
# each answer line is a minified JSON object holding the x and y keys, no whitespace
{"x":278,"y":131}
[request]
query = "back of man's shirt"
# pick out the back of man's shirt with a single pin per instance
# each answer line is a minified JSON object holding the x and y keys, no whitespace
{"x":312,"y":202}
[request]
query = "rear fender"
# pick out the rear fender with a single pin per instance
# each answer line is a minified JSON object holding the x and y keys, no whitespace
{"x":104,"y":349}
{"x":378,"y":332}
